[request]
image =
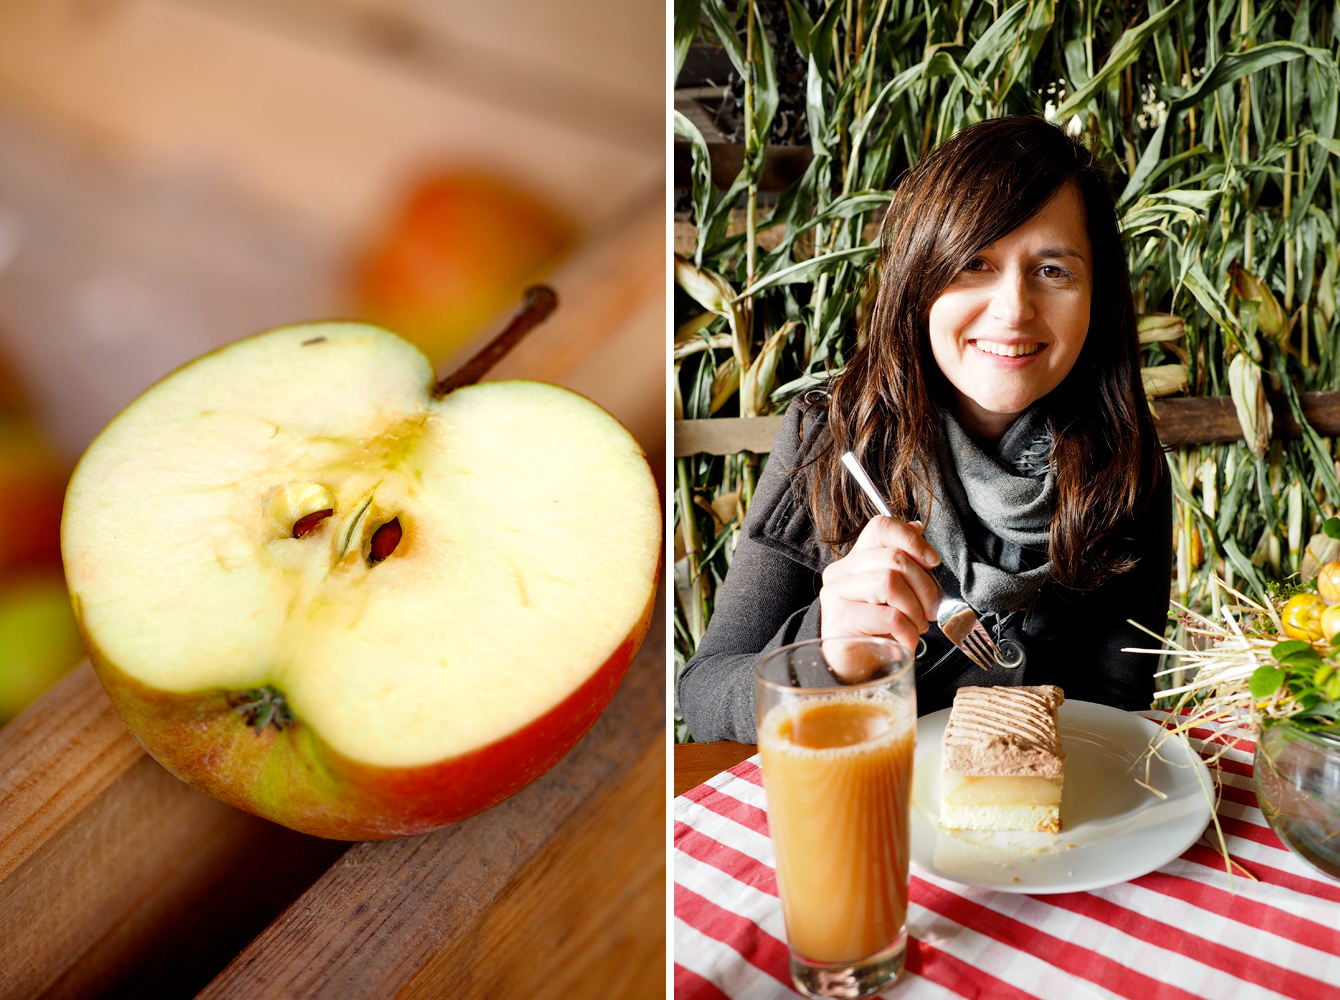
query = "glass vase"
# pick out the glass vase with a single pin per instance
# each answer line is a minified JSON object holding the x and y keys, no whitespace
{"x":1297,"y":778}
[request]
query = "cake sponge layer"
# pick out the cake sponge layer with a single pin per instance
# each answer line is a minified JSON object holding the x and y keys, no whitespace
{"x":1046,"y":819}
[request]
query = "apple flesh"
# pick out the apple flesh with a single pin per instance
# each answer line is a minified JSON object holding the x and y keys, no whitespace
{"x":320,"y":593}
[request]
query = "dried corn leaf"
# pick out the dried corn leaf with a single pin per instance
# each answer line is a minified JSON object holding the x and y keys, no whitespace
{"x":724,"y":384}
{"x":1154,"y":328}
{"x":1163,"y":380}
{"x":1270,"y":317}
{"x":1249,"y":399}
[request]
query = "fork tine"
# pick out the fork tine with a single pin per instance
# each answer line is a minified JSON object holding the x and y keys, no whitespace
{"x":977,"y":650}
{"x":984,"y":637}
{"x":973,"y":651}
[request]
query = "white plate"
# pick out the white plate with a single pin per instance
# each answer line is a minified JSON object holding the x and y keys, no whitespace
{"x":1112,"y":830}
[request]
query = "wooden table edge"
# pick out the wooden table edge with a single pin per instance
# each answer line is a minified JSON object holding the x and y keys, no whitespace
{"x":696,"y":762}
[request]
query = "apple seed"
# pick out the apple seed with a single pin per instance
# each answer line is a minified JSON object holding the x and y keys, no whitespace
{"x":309,"y":522}
{"x":385,"y":539}
{"x":297,"y":508}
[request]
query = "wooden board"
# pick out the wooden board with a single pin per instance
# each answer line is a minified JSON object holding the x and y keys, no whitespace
{"x":1210,"y":419}
{"x":1194,"y":420}
{"x":116,"y":876}
{"x":311,"y":108}
{"x":725,"y":435}
{"x":118,"y":879}
{"x":573,"y":858}
{"x":696,"y":762}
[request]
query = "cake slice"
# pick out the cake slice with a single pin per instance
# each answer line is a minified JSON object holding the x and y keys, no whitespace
{"x":1001,"y":762}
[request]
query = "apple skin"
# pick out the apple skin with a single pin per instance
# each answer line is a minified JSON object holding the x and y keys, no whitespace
{"x":32,"y":493}
{"x":294,"y":778}
{"x":460,"y":251}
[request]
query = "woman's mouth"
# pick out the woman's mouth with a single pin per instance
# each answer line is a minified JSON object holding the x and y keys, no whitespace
{"x":1017,"y":349}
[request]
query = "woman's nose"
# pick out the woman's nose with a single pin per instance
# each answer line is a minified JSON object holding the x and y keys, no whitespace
{"x":1011,"y":302}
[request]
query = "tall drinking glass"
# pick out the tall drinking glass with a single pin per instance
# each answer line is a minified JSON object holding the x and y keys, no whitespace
{"x":837,"y":769}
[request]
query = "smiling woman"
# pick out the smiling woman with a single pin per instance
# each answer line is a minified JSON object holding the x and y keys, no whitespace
{"x":997,"y":400}
{"x":1010,"y":325}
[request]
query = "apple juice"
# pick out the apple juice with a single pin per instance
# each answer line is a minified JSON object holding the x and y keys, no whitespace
{"x":838,"y":777}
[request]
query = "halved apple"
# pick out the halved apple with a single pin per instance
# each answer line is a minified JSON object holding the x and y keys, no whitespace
{"x":321,"y":593}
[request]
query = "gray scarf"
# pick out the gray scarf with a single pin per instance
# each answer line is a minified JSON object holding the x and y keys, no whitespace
{"x":990,"y":515}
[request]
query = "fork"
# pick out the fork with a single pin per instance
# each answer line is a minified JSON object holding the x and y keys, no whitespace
{"x":956,"y":619}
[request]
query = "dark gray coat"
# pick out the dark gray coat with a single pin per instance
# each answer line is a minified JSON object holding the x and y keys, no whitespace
{"x":771,"y":598}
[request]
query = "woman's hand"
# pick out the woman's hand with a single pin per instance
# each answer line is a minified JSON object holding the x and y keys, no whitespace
{"x":882,"y":587}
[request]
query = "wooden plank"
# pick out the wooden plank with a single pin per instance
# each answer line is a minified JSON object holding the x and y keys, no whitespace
{"x":55,"y":758}
{"x":608,"y":918}
{"x":1209,"y":419}
{"x":114,"y":875}
{"x":400,"y":915}
{"x":725,"y":435}
{"x":782,"y":165}
{"x":1194,"y":420}
{"x":696,"y":762}
{"x":331,"y":133}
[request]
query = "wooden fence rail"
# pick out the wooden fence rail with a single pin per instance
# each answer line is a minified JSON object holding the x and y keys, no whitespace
{"x":1195,"y":420}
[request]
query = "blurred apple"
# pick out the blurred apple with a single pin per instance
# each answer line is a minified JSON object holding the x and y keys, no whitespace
{"x":32,"y":491}
{"x":461,"y":251}
{"x":39,"y":640}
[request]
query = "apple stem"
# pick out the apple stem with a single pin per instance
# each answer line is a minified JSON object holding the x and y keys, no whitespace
{"x":539,"y":302}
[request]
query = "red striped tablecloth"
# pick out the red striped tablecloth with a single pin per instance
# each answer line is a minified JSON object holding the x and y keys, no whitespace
{"x":1182,"y":931}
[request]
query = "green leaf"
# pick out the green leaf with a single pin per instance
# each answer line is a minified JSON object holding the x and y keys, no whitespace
{"x":701,"y":177}
{"x":1227,"y":69}
{"x":1125,"y":52}
{"x":686,"y":28}
{"x":723,"y":26}
{"x":801,"y":26}
{"x":1266,"y":680}
{"x":1289,"y":647}
{"x":808,"y":270}
{"x":1305,"y":660}
{"x":994,"y":39}
{"x":1331,"y":526}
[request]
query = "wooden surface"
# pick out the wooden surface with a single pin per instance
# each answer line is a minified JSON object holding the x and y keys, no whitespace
{"x":326,"y":109}
{"x":1194,"y":420}
{"x":606,"y":339}
{"x":782,"y":165}
{"x":577,"y":858}
{"x":116,"y":878}
{"x":696,"y":762}
{"x":1207,"y":419}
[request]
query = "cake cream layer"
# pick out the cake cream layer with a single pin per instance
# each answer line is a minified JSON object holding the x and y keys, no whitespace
{"x":995,"y":731}
{"x":1045,"y":819}
{"x":1005,"y":791}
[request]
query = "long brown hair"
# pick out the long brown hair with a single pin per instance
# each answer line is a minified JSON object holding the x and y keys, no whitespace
{"x":886,"y":406}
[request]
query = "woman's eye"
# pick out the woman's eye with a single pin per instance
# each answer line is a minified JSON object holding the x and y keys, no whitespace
{"x":976,"y":264}
{"x":1052,"y":271}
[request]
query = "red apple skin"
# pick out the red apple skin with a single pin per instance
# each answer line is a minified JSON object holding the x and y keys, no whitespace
{"x":461,"y":251}
{"x":32,"y":493}
{"x":295,"y":778}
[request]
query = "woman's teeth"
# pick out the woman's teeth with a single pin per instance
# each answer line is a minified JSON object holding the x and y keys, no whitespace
{"x":1007,"y":350}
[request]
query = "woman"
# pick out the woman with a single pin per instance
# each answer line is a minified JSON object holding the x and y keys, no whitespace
{"x":997,"y":401}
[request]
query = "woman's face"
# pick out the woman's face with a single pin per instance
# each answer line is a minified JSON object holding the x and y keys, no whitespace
{"x":1010,"y":325}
